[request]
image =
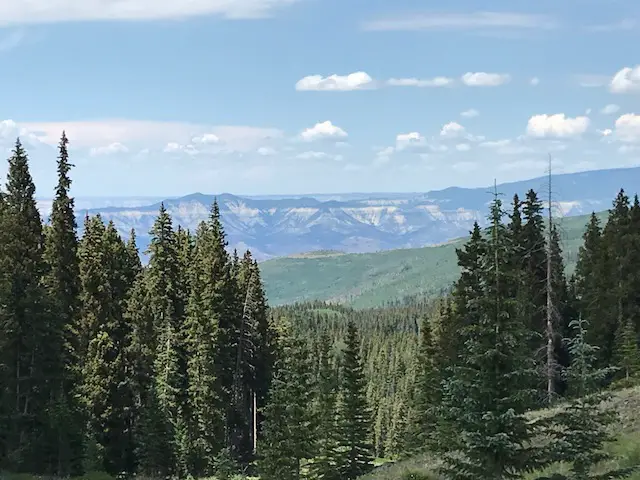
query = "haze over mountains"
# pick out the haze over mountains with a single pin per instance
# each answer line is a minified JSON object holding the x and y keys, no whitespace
{"x":272,"y":226}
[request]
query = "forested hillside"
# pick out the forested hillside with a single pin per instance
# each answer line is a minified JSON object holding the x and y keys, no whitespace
{"x":179,"y":369}
{"x":375,"y":279}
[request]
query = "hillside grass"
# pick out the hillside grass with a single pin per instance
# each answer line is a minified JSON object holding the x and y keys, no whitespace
{"x":372,"y":279}
{"x":625,"y":449}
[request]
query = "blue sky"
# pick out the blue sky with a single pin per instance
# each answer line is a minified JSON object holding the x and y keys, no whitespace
{"x":310,"y":96}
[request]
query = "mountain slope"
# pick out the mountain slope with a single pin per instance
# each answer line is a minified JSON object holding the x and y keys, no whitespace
{"x":273,"y":227}
{"x":371,"y":279}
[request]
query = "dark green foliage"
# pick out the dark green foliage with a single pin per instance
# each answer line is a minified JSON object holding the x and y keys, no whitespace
{"x":287,"y":441}
{"x":354,"y":455}
{"x":489,"y":392}
{"x":579,"y":430}
{"x":30,"y":344}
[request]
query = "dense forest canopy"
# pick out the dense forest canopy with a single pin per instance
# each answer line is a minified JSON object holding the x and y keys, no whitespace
{"x":179,"y":368}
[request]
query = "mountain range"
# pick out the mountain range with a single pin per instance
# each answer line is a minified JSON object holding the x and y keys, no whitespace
{"x":274,"y":226}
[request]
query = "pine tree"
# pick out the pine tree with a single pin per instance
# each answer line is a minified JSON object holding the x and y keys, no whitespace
{"x":579,"y":431}
{"x":108,"y":396}
{"x":355,"y":452}
{"x":202,"y":339}
{"x":626,"y":354}
{"x":168,"y":310}
{"x":63,"y":287}
{"x":326,"y":390}
{"x":486,"y":398}
{"x":428,"y":391}
{"x":29,"y":342}
{"x":287,"y":442}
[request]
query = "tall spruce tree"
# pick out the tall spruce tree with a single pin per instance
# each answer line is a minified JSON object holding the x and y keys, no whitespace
{"x":488,"y":394}
{"x":168,"y":311}
{"x":62,"y":282}
{"x":30,"y":342}
{"x":355,"y":452}
{"x":287,"y":441}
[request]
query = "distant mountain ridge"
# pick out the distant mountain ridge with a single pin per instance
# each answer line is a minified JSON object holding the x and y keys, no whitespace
{"x":274,"y":226}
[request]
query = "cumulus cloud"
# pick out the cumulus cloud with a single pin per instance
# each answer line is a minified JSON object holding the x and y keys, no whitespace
{"x":406,"y":140}
{"x":206,"y":139}
{"x":323,"y":130}
{"x":627,"y":128}
{"x":626,"y":80}
{"x":174,"y":147}
{"x":483,"y":79}
{"x":606,"y":132}
{"x":472,"y":112}
{"x":452,"y":130}
{"x":463,"y":21}
{"x":353,"y":81}
{"x":558,"y":126}
{"x":115,"y":147}
{"x":417,"y":82}
{"x":56,"y":11}
{"x":610,"y":109}
{"x":266,"y":151}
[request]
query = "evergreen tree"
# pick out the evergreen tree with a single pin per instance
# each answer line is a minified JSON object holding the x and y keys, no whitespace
{"x":355,"y":452}
{"x":486,"y":398}
{"x":287,"y":441}
{"x":626,"y":354}
{"x":62,"y":282}
{"x":579,"y":430}
{"x":168,"y":310}
{"x":30,"y":353}
{"x":326,"y":390}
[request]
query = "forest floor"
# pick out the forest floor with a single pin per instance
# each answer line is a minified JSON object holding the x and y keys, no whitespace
{"x":625,"y":449}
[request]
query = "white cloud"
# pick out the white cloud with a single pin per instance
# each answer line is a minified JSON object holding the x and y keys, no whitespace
{"x":452,"y":130}
{"x":472,"y":112}
{"x":463,"y":21}
{"x":534,"y":81}
{"x":321,"y":131}
{"x":628,"y":128}
{"x":483,"y":79}
{"x":610,"y":109}
{"x":313,"y":155}
{"x":589,"y":80}
{"x":417,"y":82}
{"x":463,"y":147}
{"x":147,"y":134}
{"x":266,"y":151}
{"x":115,"y":147}
{"x":353,"y":81}
{"x":406,"y":140}
{"x":19,"y":12}
{"x":606,"y":132}
{"x":626,"y":80}
{"x":174,"y":147}
{"x":206,"y":139}
{"x":625,"y":24}
{"x":558,"y":125}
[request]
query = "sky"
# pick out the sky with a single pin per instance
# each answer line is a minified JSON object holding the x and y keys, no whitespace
{"x":255,"y":97}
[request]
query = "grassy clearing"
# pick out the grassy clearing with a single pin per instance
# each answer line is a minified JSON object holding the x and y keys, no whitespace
{"x":626,"y":448}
